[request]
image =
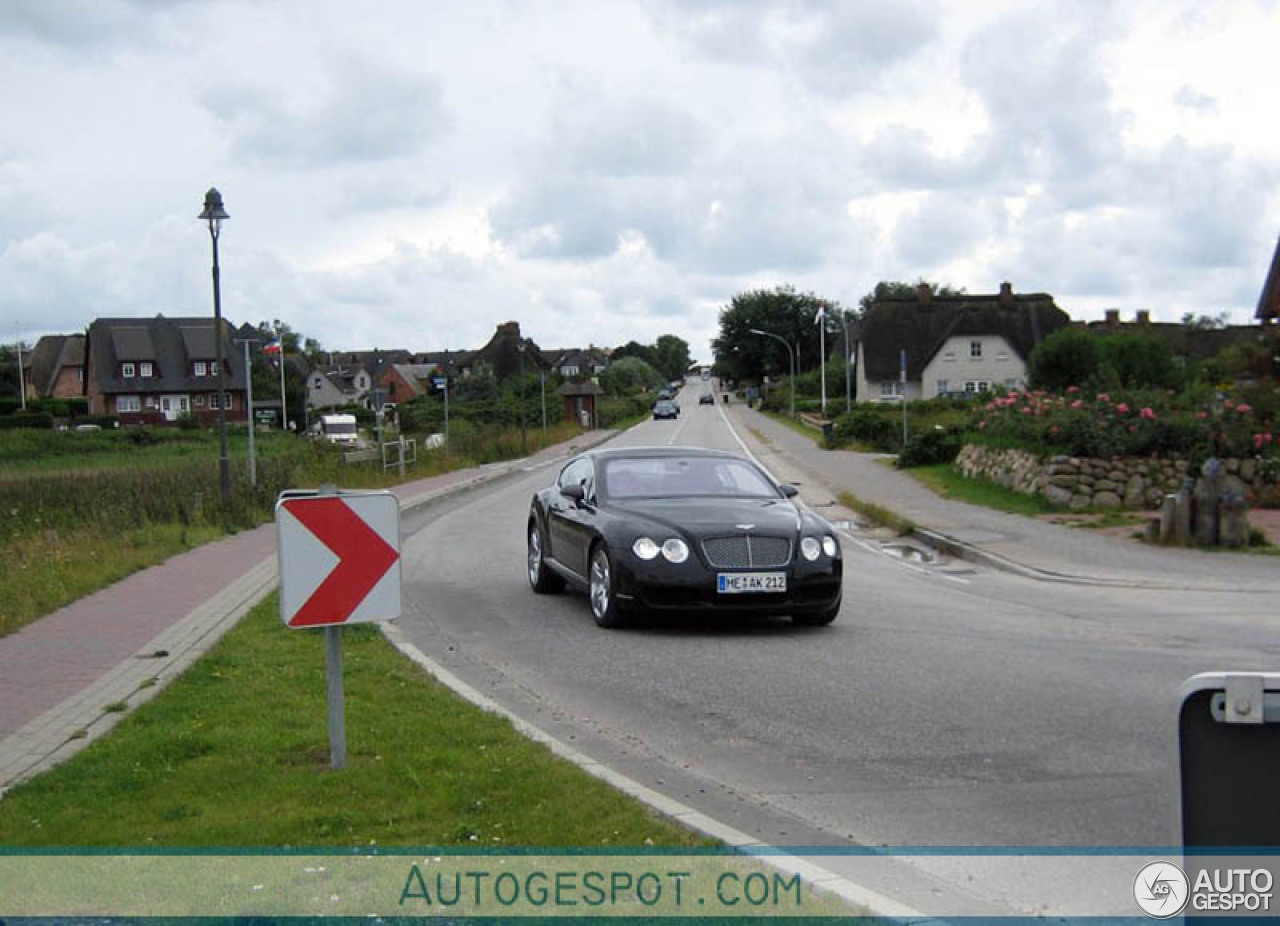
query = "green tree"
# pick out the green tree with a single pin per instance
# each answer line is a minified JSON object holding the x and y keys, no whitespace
{"x":630,"y":375}
{"x":741,"y":355}
{"x":1068,"y":357}
{"x":1140,"y":361}
{"x":671,"y":356}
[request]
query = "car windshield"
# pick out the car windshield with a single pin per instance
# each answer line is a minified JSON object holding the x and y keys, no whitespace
{"x":682,"y":477}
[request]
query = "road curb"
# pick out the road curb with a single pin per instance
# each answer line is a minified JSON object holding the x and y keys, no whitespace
{"x":875,"y":903}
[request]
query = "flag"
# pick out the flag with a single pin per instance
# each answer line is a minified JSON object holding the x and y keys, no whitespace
{"x":271,"y":347}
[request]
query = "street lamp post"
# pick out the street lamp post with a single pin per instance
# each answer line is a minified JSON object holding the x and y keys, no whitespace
{"x":822,"y":354}
{"x":848,"y":362}
{"x":215,"y":215}
{"x":22,"y":381}
{"x":791,"y":356}
{"x":248,"y":385}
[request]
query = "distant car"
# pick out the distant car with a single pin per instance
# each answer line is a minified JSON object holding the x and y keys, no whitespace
{"x":706,"y":399}
{"x":666,"y":394}
{"x":665,"y":408}
{"x":681,"y":529}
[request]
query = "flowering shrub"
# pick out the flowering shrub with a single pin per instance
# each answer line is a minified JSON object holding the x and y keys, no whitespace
{"x":1148,"y":423}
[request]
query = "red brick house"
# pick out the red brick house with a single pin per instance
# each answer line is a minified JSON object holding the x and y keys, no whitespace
{"x":156,"y":370}
{"x":55,"y":367}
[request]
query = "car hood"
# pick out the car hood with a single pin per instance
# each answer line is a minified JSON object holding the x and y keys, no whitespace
{"x":706,"y":516}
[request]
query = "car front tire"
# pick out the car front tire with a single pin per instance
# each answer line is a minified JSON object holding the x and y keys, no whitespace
{"x":606,"y":610}
{"x":541,"y":579}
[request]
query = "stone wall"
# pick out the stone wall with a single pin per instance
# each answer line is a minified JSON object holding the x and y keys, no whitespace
{"x":1125,"y":482}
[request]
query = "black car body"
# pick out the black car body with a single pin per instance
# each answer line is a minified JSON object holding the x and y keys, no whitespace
{"x":706,"y":399}
{"x":681,"y":529}
{"x":664,"y":408}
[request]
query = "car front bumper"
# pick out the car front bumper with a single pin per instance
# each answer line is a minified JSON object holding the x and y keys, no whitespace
{"x":662,"y":586}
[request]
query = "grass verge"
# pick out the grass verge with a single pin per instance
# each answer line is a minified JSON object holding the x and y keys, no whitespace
{"x":235,"y":753}
{"x":876,"y":514}
{"x":45,"y":571}
{"x":946,"y":480}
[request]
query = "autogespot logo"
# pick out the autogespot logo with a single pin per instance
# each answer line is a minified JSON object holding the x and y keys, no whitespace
{"x":1161,"y":889}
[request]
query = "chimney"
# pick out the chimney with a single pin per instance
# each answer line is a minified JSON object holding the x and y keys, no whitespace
{"x":1144,"y":316}
{"x":1113,"y":317}
{"x":1006,"y":293}
{"x":923,"y":293}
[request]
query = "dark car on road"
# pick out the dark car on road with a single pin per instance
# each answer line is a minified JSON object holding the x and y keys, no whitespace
{"x":665,"y":408}
{"x":685,"y":530}
{"x":706,"y":399}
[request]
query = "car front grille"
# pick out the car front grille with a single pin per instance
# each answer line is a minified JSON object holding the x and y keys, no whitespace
{"x":747,"y":551}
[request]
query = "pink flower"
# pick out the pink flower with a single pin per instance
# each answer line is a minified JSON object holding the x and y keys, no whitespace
{"x":1202,"y":415}
{"x":1147,"y":413}
{"x":1054,"y":429}
{"x":1244,"y":408}
{"x":1103,"y":397}
{"x":1026,"y":410}
{"x":1071,"y":389}
{"x":1077,"y":403}
{"x":1132,"y":428}
{"x":982,"y":424}
{"x":1260,"y":439}
{"x":1227,"y":403}
{"x":1122,"y":409}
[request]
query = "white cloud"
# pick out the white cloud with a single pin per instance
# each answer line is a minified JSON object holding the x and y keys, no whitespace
{"x":414,"y":174}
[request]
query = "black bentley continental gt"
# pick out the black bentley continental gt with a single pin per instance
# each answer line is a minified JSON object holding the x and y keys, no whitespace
{"x":681,"y":529}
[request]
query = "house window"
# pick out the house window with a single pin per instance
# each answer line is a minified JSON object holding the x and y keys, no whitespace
{"x":128,"y":403}
{"x":213,"y":368}
{"x":213,"y":400}
{"x":942,"y":387}
{"x":199,"y":401}
{"x":975,"y":350}
{"x":949,"y":355}
{"x":980,"y":385}
{"x":1011,"y":384}
{"x":145,"y":369}
{"x":1002,"y":355}
{"x":126,"y":370}
{"x":151,"y":402}
{"x":201,"y":368}
{"x":79,"y":375}
{"x":893,"y":389}
{"x":317,"y":382}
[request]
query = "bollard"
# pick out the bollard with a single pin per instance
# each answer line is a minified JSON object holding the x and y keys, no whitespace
{"x":1207,"y":493}
{"x":1233,"y":519}
{"x":1168,"y":518}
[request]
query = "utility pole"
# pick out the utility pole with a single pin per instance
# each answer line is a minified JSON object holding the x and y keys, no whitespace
{"x":248,"y":386}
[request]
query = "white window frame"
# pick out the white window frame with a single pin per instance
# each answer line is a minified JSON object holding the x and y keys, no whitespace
{"x":893,"y":388}
{"x":146,"y":369}
{"x":213,"y":401}
{"x":201,"y":368}
{"x":940,"y":387}
{"x":127,"y":370}
{"x":128,"y":403}
{"x":975,"y":350}
{"x":213,"y":368}
{"x":151,"y":402}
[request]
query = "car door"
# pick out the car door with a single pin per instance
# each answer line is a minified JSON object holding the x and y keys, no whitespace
{"x":569,"y":520}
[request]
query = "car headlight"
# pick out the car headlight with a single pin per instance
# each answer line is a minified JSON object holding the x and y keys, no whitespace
{"x":830,"y":546}
{"x":645,"y":548}
{"x":675,"y":550}
{"x":810,"y":548}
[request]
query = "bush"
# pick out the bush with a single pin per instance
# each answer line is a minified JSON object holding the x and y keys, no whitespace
{"x":931,"y":447}
{"x":615,"y":410}
{"x":875,"y":429}
{"x":33,"y":420}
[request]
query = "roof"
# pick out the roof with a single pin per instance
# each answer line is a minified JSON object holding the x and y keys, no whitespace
{"x":572,"y":389}
{"x":1269,"y":301}
{"x":502,"y":352}
{"x":922,"y":326}
{"x":52,"y":354}
{"x":171,"y":344}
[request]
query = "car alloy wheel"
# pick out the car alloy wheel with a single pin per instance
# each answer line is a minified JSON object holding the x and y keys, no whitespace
{"x":541,"y":578}
{"x":604,"y":604}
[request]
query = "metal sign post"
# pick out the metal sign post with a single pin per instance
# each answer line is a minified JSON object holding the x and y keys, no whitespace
{"x":339,"y":555}
{"x":902,"y":378}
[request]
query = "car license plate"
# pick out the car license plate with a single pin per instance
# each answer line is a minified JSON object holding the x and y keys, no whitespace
{"x":733,"y":583}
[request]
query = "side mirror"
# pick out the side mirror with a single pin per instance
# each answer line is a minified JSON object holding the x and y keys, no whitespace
{"x":789,"y":490}
{"x":575,"y":492}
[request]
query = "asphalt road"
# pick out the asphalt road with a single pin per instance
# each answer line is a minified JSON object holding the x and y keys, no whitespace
{"x":955,"y":707}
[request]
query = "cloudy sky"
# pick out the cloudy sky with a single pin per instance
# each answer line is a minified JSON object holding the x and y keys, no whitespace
{"x":410,"y":174}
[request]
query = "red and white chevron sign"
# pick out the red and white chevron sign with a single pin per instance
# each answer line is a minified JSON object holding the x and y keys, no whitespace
{"x":339,"y":558}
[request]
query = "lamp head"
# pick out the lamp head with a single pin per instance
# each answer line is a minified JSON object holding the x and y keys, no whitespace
{"x":213,"y":212}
